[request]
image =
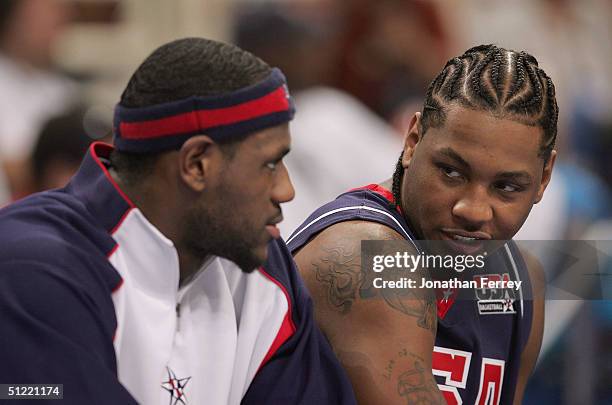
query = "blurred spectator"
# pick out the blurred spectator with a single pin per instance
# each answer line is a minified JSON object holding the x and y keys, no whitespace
{"x":591,"y":139}
{"x":389,"y":51}
{"x":574,"y":199}
{"x":60,"y":147}
{"x":302,"y":42}
{"x":337,"y":142}
{"x":31,"y":90}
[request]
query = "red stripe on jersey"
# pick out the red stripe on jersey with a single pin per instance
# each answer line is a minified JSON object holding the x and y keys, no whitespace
{"x":93,"y":150}
{"x":287,"y":328}
{"x":378,"y":189}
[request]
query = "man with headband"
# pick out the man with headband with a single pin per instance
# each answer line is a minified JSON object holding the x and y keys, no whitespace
{"x":157,"y":274}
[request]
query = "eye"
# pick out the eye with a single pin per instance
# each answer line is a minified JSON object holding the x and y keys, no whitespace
{"x":450,"y":172}
{"x":271,"y":166}
{"x":508,"y":187}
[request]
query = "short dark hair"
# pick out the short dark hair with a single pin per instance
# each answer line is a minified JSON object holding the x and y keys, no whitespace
{"x":181,"y":69}
{"x":7,"y":10}
{"x":63,"y":138}
{"x":507,"y":83}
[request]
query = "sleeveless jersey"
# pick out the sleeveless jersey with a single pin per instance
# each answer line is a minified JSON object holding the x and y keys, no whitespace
{"x":479,"y":341}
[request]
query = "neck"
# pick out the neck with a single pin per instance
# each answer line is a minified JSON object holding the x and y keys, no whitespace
{"x":157,"y":206}
{"x":388,"y":184}
{"x":189,"y":264}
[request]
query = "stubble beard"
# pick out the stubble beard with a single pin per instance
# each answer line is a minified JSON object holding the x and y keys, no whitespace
{"x":208,"y":232}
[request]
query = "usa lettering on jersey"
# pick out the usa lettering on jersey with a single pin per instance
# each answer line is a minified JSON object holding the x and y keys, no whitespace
{"x":454,"y":365}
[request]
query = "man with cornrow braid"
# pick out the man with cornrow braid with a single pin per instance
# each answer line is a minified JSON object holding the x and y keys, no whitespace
{"x":475,"y":160}
{"x":157,"y":275}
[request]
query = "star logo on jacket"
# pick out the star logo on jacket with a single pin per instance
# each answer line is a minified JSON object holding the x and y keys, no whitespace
{"x":176,"y":387}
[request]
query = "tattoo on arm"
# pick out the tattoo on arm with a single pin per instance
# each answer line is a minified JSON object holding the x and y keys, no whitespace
{"x":421,"y":307}
{"x":414,"y":383}
{"x":339,"y":268}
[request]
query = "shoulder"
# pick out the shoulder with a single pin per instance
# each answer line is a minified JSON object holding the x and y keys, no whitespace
{"x":48,"y":290}
{"x":52,"y":227}
{"x":351,"y":233}
{"x":43,"y":215}
{"x":53,"y":253}
{"x":54,"y":242}
{"x":331,"y":265}
{"x":33,"y":281}
{"x":537,"y":277}
{"x":341,"y":244}
{"x":58,"y":252}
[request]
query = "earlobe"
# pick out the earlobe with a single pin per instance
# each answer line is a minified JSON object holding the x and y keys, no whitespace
{"x":412,"y":139}
{"x":195,"y":160}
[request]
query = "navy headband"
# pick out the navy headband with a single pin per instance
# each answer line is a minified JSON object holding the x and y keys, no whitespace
{"x":167,"y":126}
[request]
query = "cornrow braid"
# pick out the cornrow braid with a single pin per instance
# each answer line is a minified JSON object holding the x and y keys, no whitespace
{"x":519,"y":78}
{"x":396,"y":188}
{"x":455,"y":74}
{"x":498,"y":64}
{"x":549,"y":120}
{"x":507,"y":83}
{"x":477,"y":82}
{"x":535,"y":101}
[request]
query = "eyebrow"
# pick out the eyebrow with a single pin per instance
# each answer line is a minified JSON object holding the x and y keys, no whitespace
{"x":450,"y":153}
{"x":280,"y":155}
{"x":519,"y":176}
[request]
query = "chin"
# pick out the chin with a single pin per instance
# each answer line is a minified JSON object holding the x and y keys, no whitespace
{"x":252,"y":260}
{"x":248,"y":270}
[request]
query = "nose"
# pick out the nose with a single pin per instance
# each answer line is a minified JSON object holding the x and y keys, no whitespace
{"x":473,"y":209}
{"x":283,"y":190}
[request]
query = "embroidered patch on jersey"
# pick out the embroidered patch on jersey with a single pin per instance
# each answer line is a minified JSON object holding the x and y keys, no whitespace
{"x":495,"y":300}
{"x":176,"y":387}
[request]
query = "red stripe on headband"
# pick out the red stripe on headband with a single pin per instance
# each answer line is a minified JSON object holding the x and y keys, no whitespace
{"x":275,"y":101}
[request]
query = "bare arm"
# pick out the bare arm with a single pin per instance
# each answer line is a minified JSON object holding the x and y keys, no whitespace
{"x":532,"y":349}
{"x":383,"y":337}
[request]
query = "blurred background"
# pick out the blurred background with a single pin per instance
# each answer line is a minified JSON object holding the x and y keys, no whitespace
{"x":358,"y":70}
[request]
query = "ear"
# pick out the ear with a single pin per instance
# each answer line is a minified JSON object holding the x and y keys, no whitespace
{"x":198,"y":158}
{"x":546,"y":176}
{"x":412,"y":139}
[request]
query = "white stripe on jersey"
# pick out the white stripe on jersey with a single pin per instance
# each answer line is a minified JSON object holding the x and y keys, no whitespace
{"x":356,"y":207}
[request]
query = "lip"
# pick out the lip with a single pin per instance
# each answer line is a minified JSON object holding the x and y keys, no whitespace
{"x":460,"y":232}
{"x":275,"y":220}
{"x":467,"y":247}
{"x":271,"y":227}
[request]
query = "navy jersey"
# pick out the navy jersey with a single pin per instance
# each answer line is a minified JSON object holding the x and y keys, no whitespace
{"x":89,"y":299}
{"x":479,"y":341}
